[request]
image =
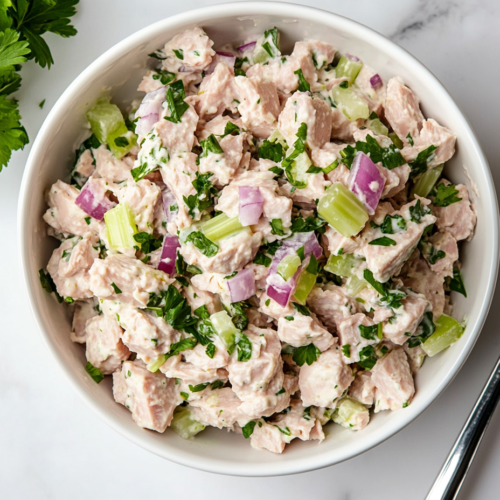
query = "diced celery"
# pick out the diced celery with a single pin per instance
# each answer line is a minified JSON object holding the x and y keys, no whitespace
{"x":154,"y":366}
{"x":354,"y":285}
{"x":121,"y":227}
{"x":288,"y":266}
{"x":299,"y":168}
{"x":221,"y":226}
{"x":348,"y":68}
{"x":448,"y":330}
{"x":277,"y":136}
{"x":341,"y":265}
{"x":396,"y":140}
{"x":224,"y":327}
{"x":342,"y":210}
{"x":348,"y":412}
{"x":108,"y":125}
{"x":184,"y":424}
{"x":304,"y":286}
{"x":378,"y":127}
{"x":427,"y":181}
{"x":350,"y":104}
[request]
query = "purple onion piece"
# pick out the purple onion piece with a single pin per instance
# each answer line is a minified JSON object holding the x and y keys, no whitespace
{"x":352,"y":58}
{"x":146,"y":123}
{"x":169,"y":254}
{"x":366,"y":181}
{"x":375,"y":81}
{"x":92,"y":199}
{"x":250,"y":205}
{"x":152,"y":103}
{"x":247,"y":46}
{"x":184,"y":69}
{"x":242,"y":286}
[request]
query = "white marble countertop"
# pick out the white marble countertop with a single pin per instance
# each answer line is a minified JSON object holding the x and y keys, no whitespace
{"x":53,"y":447}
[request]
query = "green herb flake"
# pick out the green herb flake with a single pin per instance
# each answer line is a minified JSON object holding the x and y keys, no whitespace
{"x":303,"y":83}
{"x":248,"y":428}
{"x":94,"y":372}
{"x":179,"y":53}
{"x":203,"y":244}
{"x":456,"y":283}
{"x":383,"y":242}
{"x":444,"y":195}
{"x":301,"y":309}
{"x":277,"y":227}
{"x":116,"y":289}
{"x":346,"y":350}
{"x":306,"y":354}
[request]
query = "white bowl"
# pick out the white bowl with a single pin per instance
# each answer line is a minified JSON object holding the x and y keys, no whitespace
{"x":120,"y":69}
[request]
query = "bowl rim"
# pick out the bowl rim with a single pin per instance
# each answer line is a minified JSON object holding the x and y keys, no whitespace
{"x":360,"y":31}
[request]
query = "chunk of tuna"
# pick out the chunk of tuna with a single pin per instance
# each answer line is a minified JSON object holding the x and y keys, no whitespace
{"x":272,"y":309}
{"x":331,"y":305}
{"x":218,"y":92}
{"x":197,"y":298}
{"x":70,"y":264}
{"x":441,"y":242}
{"x":267,"y":437}
{"x":363,"y":389}
{"x":234,"y":253}
{"x":325,"y":380}
{"x":105,"y":349}
{"x":111,"y":168}
{"x":199,"y":358}
{"x":315,"y":113}
{"x":257,"y":380}
{"x":84,"y":310}
{"x":300,"y":330}
{"x":402,"y":110}
{"x":458,"y":219}
{"x":395,"y":180}
{"x":406,"y":318}
{"x":336,"y":243}
{"x":386,"y":261}
{"x":174,"y":367}
{"x":151,"y":397}
{"x":145,"y":333}
{"x":85,"y":165}
{"x":259,"y":106}
{"x":393,"y":381}
{"x":64,"y":216}
{"x":350,"y":334}
{"x":363,"y":83}
{"x":416,"y":357}
{"x":211,"y":282}
{"x":134,"y":280}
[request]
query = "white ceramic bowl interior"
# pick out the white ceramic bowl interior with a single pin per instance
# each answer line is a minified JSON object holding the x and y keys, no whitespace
{"x":120,"y":70}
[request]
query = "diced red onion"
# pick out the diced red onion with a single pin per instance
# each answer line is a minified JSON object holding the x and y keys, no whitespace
{"x":352,"y":58}
{"x":227,"y":58}
{"x":366,"y":181}
{"x":168,"y":201}
{"x":375,"y":81}
{"x":150,"y":110}
{"x":185,"y":69}
{"x":251,"y":202}
{"x":145,"y":124}
{"x":276,"y":285}
{"x":92,"y":199}
{"x":169,"y":254}
{"x":242,"y":286}
{"x":247,"y":46}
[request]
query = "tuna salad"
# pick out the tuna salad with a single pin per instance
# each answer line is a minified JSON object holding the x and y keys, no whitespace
{"x":263,"y":243}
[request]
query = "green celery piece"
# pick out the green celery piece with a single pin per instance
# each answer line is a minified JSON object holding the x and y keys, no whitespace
{"x":184,"y":424}
{"x":427,"y":181}
{"x":304,"y":286}
{"x":342,"y":210}
{"x":347,"y":68}
{"x":354,"y":285}
{"x":448,"y":331}
{"x":378,"y":127}
{"x":121,"y":227}
{"x":288,"y":266}
{"x":341,"y":265}
{"x":107,"y":124}
{"x":299,"y":167}
{"x":155,"y":365}
{"x":346,"y":412}
{"x":396,"y":140}
{"x":221,"y":226}
{"x":225,"y":328}
{"x":350,"y":104}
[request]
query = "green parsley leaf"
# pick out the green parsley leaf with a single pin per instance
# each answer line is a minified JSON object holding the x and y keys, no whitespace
{"x":41,"y":104}
{"x":174,"y":97}
{"x":238,"y":65}
{"x":148,"y":242}
{"x":344,"y":84}
{"x":203,"y":244}
{"x":116,"y":289}
{"x":210,"y":145}
{"x":346,"y":350}
{"x":302,"y":309}
{"x":418,"y":211}
{"x":383,"y":242}
{"x":178,"y":347}
{"x":158,"y":54}
{"x":419,"y":164}
{"x":262,"y":260}
{"x":248,"y":428}
{"x":277,"y":227}
{"x":13,"y":136}
{"x":367,"y":357}
{"x":289,"y":318}
{"x":276,"y":170}
{"x":179,"y":53}
{"x":311,"y":223}
{"x":313,"y":266}
{"x":88,"y":220}
{"x":369,"y":332}
{"x":231,"y":129}
{"x":271,"y":151}
{"x":457,"y":283}
{"x":48,"y":284}
{"x":198,"y":387}
{"x":94,"y":372}
{"x":430,"y":252}
{"x":121,"y":142}
{"x":232,"y":275}
{"x":164,"y":76}
{"x":217,"y":384}
{"x":306,"y":354}
{"x":303,"y":83}
{"x":379,"y":287}
{"x":180,"y":279}
{"x":184,"y":396}
{"x":445,"y":195}
{"x":202,"y":312}
{"x":244,"y":347}
{"x":410,"y":139}
{"x":425,"y":329}
{"x":205,"y":193}
{"x":281,"y":391}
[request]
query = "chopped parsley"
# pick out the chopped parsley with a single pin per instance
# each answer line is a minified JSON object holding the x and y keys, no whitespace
{"x":179,"y":53}
{"x":281,"y":391}
{"x":262,"y":259}
{"x":205,"y":192}
{"x":289,"y":318}
{"x":391,"y":224}
{"x":456,"y":283}
{"x":121,"y":142}
{"x":238,"y":71}
{"x":311,"y":223}
{"x":419,"y":164}
{"x":116,"y":289}
{"x":367,"y":357}
{"x":425,"y":329}
{"x":164,"y":76}
{"x":243,"y":346}
{"x":344,"y":84}
{"x":231,"y":129}
{"x":383,"y":242}
{"x":174,"y":97}
{"x":371,"y":332}
{"x":410,"y":139}
{"x":306,"y":354}
{"x":346,"y":350}
{"x":302,"y":309}
{"x":148,"y":242}
{"x":418,"y":211}
{"x":94,"y":372}
{"x":271,"y":151}
{"x":48,"y":284}
{"x":248,"y":428}
{"x":303,"y":83}
{"x":277,"y":227}
{"x":210,"y":145}
{"x":444,"y":195}
{"x":217,"y":384}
